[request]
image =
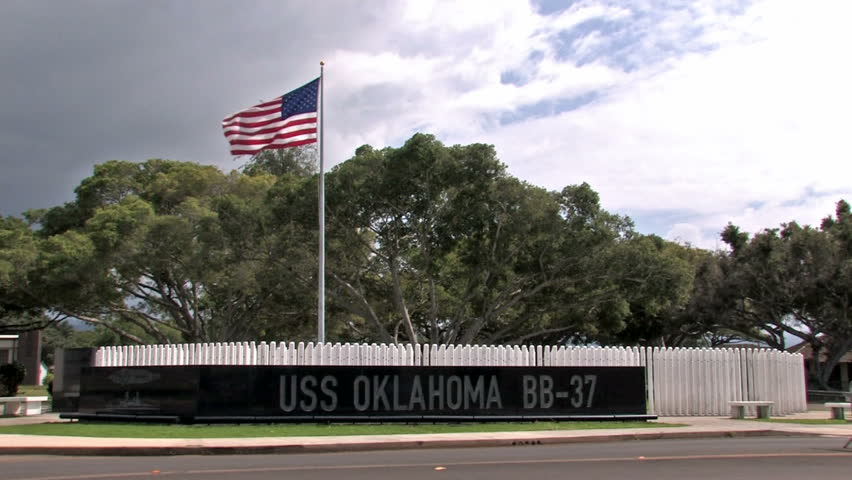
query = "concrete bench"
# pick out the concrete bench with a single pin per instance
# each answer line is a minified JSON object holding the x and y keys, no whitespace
{"x":22,"y":406}
{"x":838,"y":409}
{"x":738,"y":408}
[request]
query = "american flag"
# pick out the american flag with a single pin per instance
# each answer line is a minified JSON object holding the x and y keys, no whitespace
{"x":287,"y":121}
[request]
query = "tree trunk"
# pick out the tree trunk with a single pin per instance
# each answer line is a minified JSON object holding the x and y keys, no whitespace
{"x":399,"y":301}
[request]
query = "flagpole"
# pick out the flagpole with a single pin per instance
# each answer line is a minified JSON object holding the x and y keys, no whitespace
{"x":321,"y":282}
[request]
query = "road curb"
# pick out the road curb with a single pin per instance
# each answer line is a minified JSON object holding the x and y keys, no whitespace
{"x":378,"y":445}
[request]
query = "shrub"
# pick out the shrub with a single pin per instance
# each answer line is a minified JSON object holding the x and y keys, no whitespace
{"x":48,"y":382}
{"x":11,"y":376}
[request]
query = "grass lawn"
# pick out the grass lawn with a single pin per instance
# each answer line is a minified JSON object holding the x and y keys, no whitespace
{"x":32,"y":391}
{"x":84,"y":429}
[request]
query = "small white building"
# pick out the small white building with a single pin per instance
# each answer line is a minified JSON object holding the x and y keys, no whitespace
{"x":8,"y":349}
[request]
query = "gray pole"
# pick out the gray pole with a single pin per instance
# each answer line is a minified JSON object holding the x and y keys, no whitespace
{"x":321,"y":282}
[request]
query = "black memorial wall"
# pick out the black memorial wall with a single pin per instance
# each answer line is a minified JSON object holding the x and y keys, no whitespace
{"x":339,"y":393}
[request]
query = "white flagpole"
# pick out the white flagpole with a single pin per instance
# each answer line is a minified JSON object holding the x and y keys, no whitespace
{"x":321,"y":282}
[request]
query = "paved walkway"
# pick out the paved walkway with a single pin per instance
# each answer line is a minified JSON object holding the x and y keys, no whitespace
{"x":695,"y":427}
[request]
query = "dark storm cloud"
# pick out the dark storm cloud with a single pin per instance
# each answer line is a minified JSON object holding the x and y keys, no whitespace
{"x":83,"y":82}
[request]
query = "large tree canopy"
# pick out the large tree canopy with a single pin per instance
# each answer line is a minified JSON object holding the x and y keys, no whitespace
{"x":426,"y":243}
{"x":795,"y":281}
{"x":429,"y":243}
{"x":175,"y":250}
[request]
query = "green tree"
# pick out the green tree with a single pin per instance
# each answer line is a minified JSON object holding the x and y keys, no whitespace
{"x":425,"y":243}
{"x":391,"y":215}
{"x":18,"y":251}
{"x":159,"y":251}
{"x":439,"y":244}
{"x":297,"y":161}
{"x":657,"y":285}
{"x":794,"y":281}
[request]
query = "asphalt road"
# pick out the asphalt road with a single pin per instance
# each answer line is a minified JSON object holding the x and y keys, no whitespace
{"x":748,"y":458}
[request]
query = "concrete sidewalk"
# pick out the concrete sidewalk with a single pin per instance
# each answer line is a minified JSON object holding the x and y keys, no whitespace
{"x":695,"y":427}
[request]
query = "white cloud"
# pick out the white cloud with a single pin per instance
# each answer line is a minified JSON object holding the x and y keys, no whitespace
{"x":702,"y":112}
{"x":452,"y":86}
{"x":724,"y":114}
{"x":761,"y":119}
{"x":686,"y":233}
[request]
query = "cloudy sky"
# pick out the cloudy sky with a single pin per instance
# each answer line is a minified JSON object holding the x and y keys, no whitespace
{"x":684,"y":115}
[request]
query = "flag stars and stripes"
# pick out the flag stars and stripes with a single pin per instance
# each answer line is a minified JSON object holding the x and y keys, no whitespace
{"x":286,"y":121}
